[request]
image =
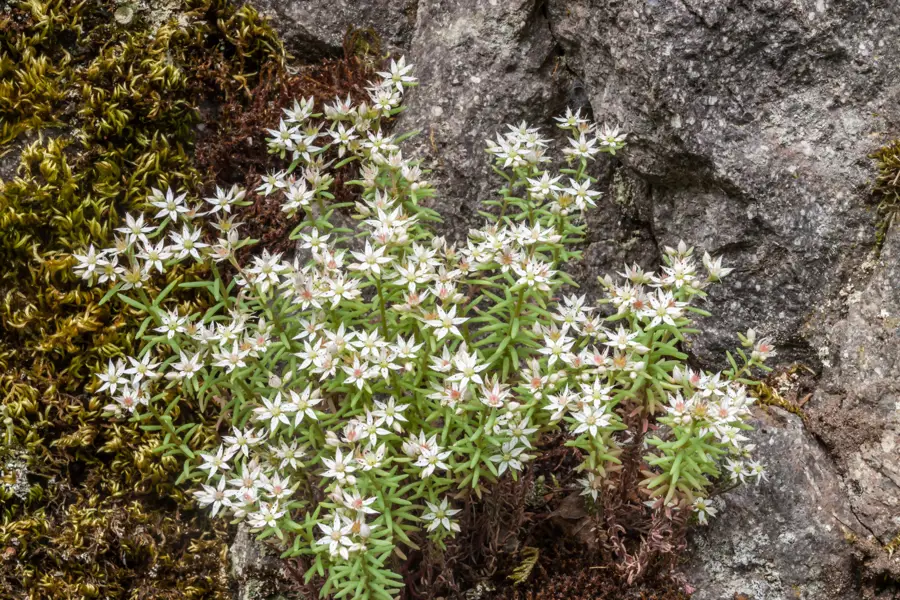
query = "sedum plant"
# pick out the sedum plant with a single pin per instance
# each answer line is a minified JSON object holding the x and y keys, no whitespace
{"x":370,"y":384}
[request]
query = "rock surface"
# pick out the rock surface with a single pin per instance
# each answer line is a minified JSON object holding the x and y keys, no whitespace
{"x":785,"y":538}
{"x":749,"y":127}
{"x":750,"y":123}
{"x":857,"y":409}
{"x":256,"y":572}
{"x":478,"y":70}
{"x":313,"y":29}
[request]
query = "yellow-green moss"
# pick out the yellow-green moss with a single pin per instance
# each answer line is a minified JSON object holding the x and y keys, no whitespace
{"x":95,"y":112}
{"x":768,"y":396}
{"x":887,"y":188}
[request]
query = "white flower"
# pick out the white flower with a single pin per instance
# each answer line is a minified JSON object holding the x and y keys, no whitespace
{"x":756,"y":469}
{"x":304,"y":147}
{"x":338,"y":468}
{"x":274,"y":411}
{"x":342,"y":136}
{"x":186,"y":367}
{"x":493,"y":393}
{"x":297,"y":195}
{"x":625,"y":340}
{"x":341,"y":289}
{"x":337,"y":537}
{"x":304,"y":402}
{"x":556,"y":345}
{"x":390,"y":414}
{"x":467,"y":368}
{"x":596,"y":393}
{"x":445,"y":322}
{"x":571,"y":120}
{"x":142,"y":369}
{"x":510,"y":457}
{"x":169,"y":205}
{"x":135,"y":230}
{"x":704,"y":509}
{"x":679,"y":409}
{"x":241,"y":441}
{"x":407,"y":349}
{"x":89,"y":263}
{"x":133,"y":277}
{"x":266,"y":516}
{"x":301,"y":111}
{"x":371,"y":459}
{"x":314,"y":241}
{"x":155,"y":255}
{"x":399,"y":75}
{"x":231,"y":359}
{"x":432,"y":458}
{"x":265,"y":270}
{"x":224,"y":199}
{"x":355,"y":502}
{"x":272,"y":182}
{"x":590,"y":419}
{"x":544,"y":187}
{"x":533,"y":274}
{"x":583,"y":194}
{"x":277,"y":487}
{"x":592,"y":485}
{"x":370,"y":260}
{"x":172,"y":323}
{"x":448,"y":394}
{"x":611,"y":139}
{"x":216,"y":462}
{"x":283,"y":138}
{"x":384,"y":100}
{"x":714,"y":267}
{"x":663,"y":309}
{"x":520,"y":432}
{"x":737,"y":470}
{"x":289,"y":454}
{"x":214,"y":496}
{"x":439,"y":515}
{"x":187,"y":243}
{"x":762,"y":350}
{"x":129,"y":399}
{"x":250,"y":478}
{"x":582,"y":148}
{"x":113,"y":377}
{"x":560,"y":404}
{"x":357,"y":373}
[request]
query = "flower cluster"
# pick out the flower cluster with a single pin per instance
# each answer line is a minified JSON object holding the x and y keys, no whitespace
{"x":382,"y":372}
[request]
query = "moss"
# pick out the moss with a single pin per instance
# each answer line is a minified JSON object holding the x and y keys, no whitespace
{"x":887,"y":188}
{"x":768,"y":396}
{"x":98,"y":112}
{"x":893,"y":545}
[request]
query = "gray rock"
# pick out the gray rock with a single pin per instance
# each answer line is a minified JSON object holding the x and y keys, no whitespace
{"x":750,"y":124}
{"x":786,"y":538}
{"x":480,"y":65}
{"x":256,"y":571}
{"x":857,"y":409}
{"x":313,"y":29}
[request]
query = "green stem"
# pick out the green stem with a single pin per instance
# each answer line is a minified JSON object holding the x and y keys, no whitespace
{"x":382,"y":309}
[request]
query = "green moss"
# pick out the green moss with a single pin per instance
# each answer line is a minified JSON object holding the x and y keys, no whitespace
{"x":887,"y":188}
{"x":768,"y":396}
{"x":893,"y":545}
{"x":98,"y":111}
